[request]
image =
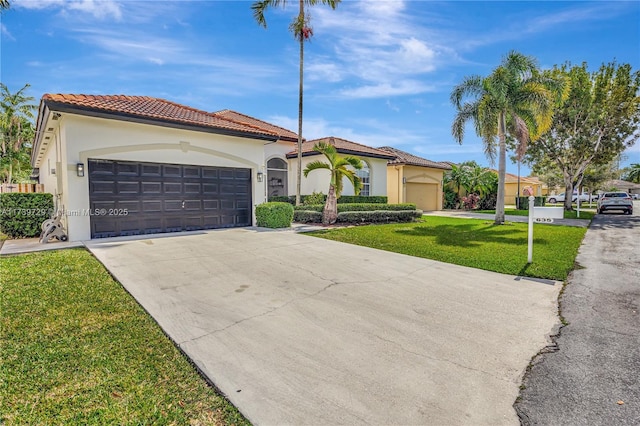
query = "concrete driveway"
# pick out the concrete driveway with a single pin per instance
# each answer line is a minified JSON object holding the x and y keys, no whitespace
{"x":299,"y":330}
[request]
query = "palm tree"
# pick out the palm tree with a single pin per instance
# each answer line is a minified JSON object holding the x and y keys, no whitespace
{"x":633,"y":174}
{"x":4,"y":5}
{"x":301,"y":31}
{"x":338,"y":167}
{"x":479,"y":180}
{"x":16,"y":114}
{"x":516,"y":100}
{"x":456,"y":177}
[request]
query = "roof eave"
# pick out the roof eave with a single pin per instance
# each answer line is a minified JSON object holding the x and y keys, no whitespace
{"x":113,"y":115}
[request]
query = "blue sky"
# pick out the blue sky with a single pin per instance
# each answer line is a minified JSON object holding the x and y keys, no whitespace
{"x":377,"y":72}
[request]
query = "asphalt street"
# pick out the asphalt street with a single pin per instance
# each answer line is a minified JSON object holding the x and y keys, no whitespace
{"x":591,"y":375}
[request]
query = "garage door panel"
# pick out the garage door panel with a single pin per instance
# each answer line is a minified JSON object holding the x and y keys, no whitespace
{"x":172,"y":206}
{"x":191,"y":172}
{"x":167,"y":197}
{"x":172,"y":188}
{"x":171,"y":171}
{"x":192,"y":188}
{"x":210,"y":173}
{"x":128,"y":187}
{"x":130,"y":207}
{"x":127,"y":169}
{"x":103,"y":187}
{"x":191,"y":205}
{"x":151,"y":188}
{"x":210,"y":189}
{"x":210,"y":204}
{"x":103,"y":167}
{"x":152,"y":206}
{"x":151,"y":170}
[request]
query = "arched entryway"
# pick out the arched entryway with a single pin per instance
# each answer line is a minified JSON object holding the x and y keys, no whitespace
{"x":277,"y":177}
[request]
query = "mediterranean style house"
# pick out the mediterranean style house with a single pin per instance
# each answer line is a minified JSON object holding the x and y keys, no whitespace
{"x":127,"y":165}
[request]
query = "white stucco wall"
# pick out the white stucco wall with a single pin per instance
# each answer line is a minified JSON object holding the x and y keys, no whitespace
{"x":318,"y":180}
{"x":83,"y":138}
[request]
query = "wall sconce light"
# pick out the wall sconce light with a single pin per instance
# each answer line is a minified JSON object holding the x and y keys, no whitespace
{"x":80,"y":169}
{"x":404,"y":180}
{"x":259,"y":176}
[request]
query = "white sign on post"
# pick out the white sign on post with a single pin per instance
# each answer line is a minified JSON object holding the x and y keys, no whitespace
{"x":540,"y":215}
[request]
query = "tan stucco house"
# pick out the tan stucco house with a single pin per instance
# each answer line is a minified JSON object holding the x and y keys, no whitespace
{"x":528,"y":186}
{"x":412,"y":179}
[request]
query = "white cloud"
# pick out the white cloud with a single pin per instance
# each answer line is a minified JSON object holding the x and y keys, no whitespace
{"x":100,"y":9}
{"x":5,"y":32}
{"x":380,"y":45}
{"x":403,"y":87}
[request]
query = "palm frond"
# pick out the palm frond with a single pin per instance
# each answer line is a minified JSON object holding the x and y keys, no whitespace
{"x":315,"y":165}
{"x":259,"y":8}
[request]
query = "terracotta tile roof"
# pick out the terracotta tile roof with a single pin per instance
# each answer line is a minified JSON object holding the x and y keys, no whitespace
{"x":146,"y":107}
{"x":511,"y":178}
{"x":402,"y":157}
{"x":284,"y":134}
{"x":343,"y":146}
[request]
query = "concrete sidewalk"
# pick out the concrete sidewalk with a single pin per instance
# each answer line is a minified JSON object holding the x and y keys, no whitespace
{"x":300,"y":330}
{"x":583,"y":223}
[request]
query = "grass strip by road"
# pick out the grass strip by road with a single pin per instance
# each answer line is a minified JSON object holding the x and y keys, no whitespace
{"x":76,"y":348}
{"x":584,"y":214}
{"x":477,"y":243}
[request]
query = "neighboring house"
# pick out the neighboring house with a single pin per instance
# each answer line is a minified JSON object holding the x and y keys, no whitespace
{"x":373,"y":173}
{"x":412,"y":179}
{"x":533,"y":186}
{"x":622,"y":185}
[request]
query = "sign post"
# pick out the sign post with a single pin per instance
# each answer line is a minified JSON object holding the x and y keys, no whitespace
{"x":530,"y":250}
{"x":540,"y":215}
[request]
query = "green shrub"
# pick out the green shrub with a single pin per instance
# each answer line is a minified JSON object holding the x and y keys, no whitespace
{"x":379,"y":216}
{"x":291,"y":199}
{"x":360,"y":207}
{"x":22,"y":214}
{"x":451,"y":199}
{"x":524,"y":202}
{"x":307,"y":216}
{"x":314,"y":198}
{"x":348,"y":199}
{"x":274,"y":215}
{"x":344,"y":199}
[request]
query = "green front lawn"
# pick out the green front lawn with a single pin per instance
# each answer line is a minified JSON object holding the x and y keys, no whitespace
{"x":584,"y":214}
{"x":76,"y":348}
{"x":476,"y":243}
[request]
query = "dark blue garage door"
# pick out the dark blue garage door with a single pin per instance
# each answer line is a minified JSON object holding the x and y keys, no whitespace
{"x":132,"y":198}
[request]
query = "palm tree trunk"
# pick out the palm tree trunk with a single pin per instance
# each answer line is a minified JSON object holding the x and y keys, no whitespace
{"x":300,"y":93}
{"x":330,"y":211}
{"x":502,"y":168}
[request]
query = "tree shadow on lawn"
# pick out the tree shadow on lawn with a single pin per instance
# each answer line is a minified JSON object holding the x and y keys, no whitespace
{"x":469,"y":235}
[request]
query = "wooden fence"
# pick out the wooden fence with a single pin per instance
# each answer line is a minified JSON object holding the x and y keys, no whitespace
{"x":21,"y":187}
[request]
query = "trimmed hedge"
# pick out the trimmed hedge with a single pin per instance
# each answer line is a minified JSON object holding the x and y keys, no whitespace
{"x":352,"y":207}
{"x":274,"y":215}
{"x":359,"y":199}
{"x":22,"y":214}
{"x":379,"y":216}
{"x":538,"y":202}
{"x":344,"y":199}
{"x":307,"y":216}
